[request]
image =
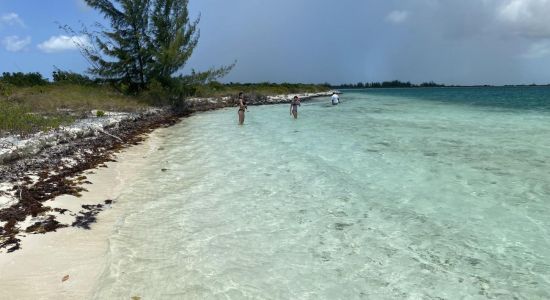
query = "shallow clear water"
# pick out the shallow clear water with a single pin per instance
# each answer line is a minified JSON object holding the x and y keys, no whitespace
{"x":386,"y":196}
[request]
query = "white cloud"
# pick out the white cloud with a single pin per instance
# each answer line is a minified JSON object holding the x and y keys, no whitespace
{"x":538,"y":50}
{"x":63,"y":43}
{"x":11,"y":19}
{"x":526,"y":17}
{"x":81,"y":4}
{"x":397,"y":16}
{"x":14,"y":43}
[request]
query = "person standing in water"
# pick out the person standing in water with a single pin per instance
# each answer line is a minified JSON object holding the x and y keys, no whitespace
{"x":242,"y":108}
{"x":294,"y":107}
{"x":335,"y":99}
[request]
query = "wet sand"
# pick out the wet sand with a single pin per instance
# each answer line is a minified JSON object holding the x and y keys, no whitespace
{"x":39,"y":270}
{"x":67,"y":263}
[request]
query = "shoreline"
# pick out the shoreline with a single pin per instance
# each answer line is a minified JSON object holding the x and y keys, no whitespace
{"x":52,"y":164}
{"x":96,"y":167}
{"x":45,"y":267}
{"x":195,"y":104}
{"x":58,"y":169}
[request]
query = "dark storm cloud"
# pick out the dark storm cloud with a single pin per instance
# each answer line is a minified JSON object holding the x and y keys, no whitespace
{"x":450,"y":41}
{"x":462,"y":42}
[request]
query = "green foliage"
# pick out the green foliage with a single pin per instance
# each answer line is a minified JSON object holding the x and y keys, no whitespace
{"x":100,"y":113}
{"x":216,"y":89}
{"x":19,"y":119}
{"x":23,"y":79}
{"x":175,"y":37}
{"x":78,"y":99}
{"x":60,"y":76}
{"x":6,"y":89}
{"x":172,"y":91}
{"x":431,"y":84}
{"x":388,"y":84}
{"x":36,"y":108}
{"x":147,"y":42}
{"x":123,"y":53}
{"x":156,"y":93}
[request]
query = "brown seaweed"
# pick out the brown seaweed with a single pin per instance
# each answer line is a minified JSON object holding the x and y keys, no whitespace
{"x":47,"y":225}
{"x":87,"y":216}
{"x":57,"y":178}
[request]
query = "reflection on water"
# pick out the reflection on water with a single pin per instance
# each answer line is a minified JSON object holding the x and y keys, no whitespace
{"x":381,"y":197}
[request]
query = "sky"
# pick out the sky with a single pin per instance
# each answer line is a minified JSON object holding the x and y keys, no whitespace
{"x":315,"y":41}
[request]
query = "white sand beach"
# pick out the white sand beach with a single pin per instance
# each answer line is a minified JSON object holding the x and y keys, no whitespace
{"x":38,"y":269}
{"x":67,"y":264}
{"x":409,"y":198}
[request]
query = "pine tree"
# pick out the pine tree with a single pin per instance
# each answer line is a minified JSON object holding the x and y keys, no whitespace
{"x":123,"y":51}
{"x":174,"y":37}
{"x":148,"y":41}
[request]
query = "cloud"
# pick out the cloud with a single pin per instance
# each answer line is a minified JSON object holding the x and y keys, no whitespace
{"x":63,"y":43}
{"x":397,"y":16}
{"x":527,"y":18}
{"x":11,"y":19}
{"x":81,"y":4}
{"x":538,"y":50}
{"x":14,"y":43}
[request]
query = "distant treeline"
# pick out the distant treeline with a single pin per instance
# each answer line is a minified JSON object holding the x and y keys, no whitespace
{"x":214,"y":88}
{"x":9,"y":82}
{"x":386,"y":84}
{"x":21,"y":79}
{"x":400,"y":84}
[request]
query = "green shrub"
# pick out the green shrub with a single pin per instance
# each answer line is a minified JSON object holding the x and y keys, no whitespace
{"x":100,"y":113}
{"x":18,"y":119}
{"x":6,"y":89}
{"x":216,"y":89}
{"x":60,"y":76}
{"x":23,"y":79}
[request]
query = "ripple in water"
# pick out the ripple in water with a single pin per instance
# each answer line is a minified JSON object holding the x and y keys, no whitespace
{"x":381,"y":197}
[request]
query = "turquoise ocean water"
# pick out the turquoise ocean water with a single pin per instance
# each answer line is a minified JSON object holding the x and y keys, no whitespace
{"x":393,"y":194}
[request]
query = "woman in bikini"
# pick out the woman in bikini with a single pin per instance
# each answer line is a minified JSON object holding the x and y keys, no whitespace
{"x":294,"y":107}
{"x":242,"y":108}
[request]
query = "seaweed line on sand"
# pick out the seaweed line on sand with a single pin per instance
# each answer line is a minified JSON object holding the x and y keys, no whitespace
{"x":58,"y":170}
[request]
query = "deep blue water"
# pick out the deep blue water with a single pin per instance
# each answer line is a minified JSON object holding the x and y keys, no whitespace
{"x":525,"y":97}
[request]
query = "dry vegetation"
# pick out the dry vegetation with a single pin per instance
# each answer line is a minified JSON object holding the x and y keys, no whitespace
{"x":25,"y":110}
{"x":216,"y":89}
{"x":77,"y":98}
{"x":28,"y":109}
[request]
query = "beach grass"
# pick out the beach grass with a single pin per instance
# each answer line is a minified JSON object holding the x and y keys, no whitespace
{"x":29,"y":109}
{"x":19,"y":119}
{"x":25,"y":110}
{"x":78,"y":98}
{"x":216,"y":89}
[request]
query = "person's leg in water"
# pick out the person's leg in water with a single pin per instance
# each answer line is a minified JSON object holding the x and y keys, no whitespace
{"x":241,"y":116}
{"x":295,"y":114}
